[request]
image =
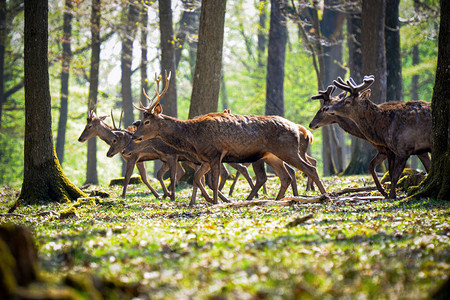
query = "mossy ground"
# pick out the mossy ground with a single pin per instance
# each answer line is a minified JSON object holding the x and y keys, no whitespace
{"x":366,"y":249}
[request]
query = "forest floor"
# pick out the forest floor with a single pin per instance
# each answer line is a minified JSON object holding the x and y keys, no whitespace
{"x":365,"y":249}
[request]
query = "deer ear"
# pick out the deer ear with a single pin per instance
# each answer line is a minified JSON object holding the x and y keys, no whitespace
{"x":365,"y":95}
{"x":157,"y":110}
{"x":103,"y":117}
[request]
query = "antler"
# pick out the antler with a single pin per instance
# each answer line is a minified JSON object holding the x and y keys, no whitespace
{"x":325,"y":95}
{"x":152,"y":105}
{"x":112,"y":118}
{"x":91,"y":113}
{"x":351,"y":85}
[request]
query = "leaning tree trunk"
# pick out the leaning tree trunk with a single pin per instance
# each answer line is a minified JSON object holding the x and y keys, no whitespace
{"x":437,"y":183}
{"x":66,"y":57}
{"x":43,"y":178}
{"x":208,"y":67}
{"x":275,"y":61}
{"x":91,"y":170}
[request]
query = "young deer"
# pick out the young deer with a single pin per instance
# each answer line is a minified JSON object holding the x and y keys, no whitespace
{"x":217,"y":137}
{"x":323,"y":118}
{"x":401,"y":129}
{"x":97,"y":127}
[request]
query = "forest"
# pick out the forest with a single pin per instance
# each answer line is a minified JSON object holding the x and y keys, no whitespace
{"x":335,"y":113}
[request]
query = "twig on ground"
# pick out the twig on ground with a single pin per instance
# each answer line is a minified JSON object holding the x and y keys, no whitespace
{"x":300,"y":220}
{"x":283,"y":202}
{"x":353,"y":190}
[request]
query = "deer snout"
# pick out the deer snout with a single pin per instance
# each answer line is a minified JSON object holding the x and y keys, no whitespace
{"x":81,"y":139}
{"x":312,"y":126}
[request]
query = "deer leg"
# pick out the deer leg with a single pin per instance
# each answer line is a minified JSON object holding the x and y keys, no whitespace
{"x":173,"y":162}
{"x":143,"y":173}
{"x":128,"y":171}
{"x":291,"y":172}
{"x":426,"y":161}
{"x":242,"y":169}
{"x":378,"y":159}
{"x":224,"y":175}
{"x":279,"y":167}
{"x":309,"y":182}
{"x":199,"y":173}
{"x":164,"y":168}
{"x":261,"y":177}
{"x":294,"y":159}
{"x":395,"y":171}
{"x":230,"y":193}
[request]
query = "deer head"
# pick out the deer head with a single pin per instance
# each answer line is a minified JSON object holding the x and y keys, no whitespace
{"x":346,"y":107}
{"x":93,"y":126}
{"x":149,"y":126}
{"x":322,"y":118}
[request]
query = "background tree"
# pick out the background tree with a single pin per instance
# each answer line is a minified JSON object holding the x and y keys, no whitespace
{"x":43,"y":177}
{"x":2,"y":54}
{"x":169,"y":101}
{"x":275,"y":61}
{"x":437,"y":183}
{"x":373,"y":62}
{"x":66,"y":57}
{"x":128,"y":33}
{"x":394,"y":83}
{"x":91,"y":169}
{"x":208,"y":67}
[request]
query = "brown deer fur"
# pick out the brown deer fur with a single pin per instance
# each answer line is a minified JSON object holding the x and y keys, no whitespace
{"x":402,"y":129}
{"x":323,"y":118}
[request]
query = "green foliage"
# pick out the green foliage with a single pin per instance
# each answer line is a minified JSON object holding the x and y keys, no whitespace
{"x":371,"y":249}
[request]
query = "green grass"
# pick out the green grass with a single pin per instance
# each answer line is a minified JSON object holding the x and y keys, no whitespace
{"x":367,"y":249}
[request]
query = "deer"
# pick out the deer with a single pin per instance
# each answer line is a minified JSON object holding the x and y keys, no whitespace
{"x":402,"y":129}
{"x":96,"y":126}
{"x":221,"y":137}
{"x":323,"y":118}
{"x":167,"y":154}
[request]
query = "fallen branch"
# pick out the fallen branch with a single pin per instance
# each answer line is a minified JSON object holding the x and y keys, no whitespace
{"x":11,"y":215}
{"x":300,"y":220}
{"x":354,"y":190}
{"x":287,"y":201}
{"x":362,"y":198}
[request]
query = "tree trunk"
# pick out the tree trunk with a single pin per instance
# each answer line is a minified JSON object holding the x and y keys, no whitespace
{"x":371,"y":24}
{"x":169,"y":101}
{"x":373,"y":46}
{"x":208,"y":67}
{"x":331,"y":30}
{"x":437,"y":183}
{"x":144,"y":54}
{"x":66,"y":58}
{"x":126,"y":58}
{"x":2,"y":56}
{"x":275,"y":61}
{"x":262,"y":39}
{"x":393,"y":54}
{"x":91,"y":170}
{"x":43,"y":178}
{"x":188,"y":27}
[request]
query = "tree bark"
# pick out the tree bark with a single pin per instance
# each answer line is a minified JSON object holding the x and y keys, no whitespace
{"x":373,"y":46}
{"x":208,"y":67}
{"x":169,"y":101}
{"x":3,"y":8}
{"x":393,"y":54}
{"x":144,"y":54}
{"x":188,"y":27}
{"x":43,"y":178}
{"x":437,"y":183}
{"x":275,"y":61}
{"x":91,"y":169}
{"x":262,"y":39}
{"x":366,"y":57}
{"x":66,"y":58}
{"x":128,"y":35}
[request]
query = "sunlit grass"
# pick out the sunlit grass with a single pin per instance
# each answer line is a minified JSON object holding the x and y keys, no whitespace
{"x":369,"y":249}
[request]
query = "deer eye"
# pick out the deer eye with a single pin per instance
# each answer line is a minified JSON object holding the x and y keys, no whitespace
{"x":89,"y":126}
{"x":146,"y":122}
{"x":114,"y":141}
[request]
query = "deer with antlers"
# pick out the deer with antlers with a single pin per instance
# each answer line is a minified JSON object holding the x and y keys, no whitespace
{"x":398,"y":130}
{"x":96,"y":126}
{"x":323,"y":118}
{"x":221,"y":137}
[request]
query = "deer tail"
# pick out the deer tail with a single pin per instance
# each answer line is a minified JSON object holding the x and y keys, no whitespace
{"x":306,"y":133}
